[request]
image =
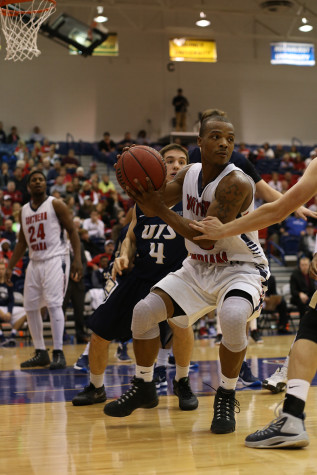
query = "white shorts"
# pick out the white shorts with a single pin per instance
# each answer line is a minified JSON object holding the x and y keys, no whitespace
{"x":17,"y":313}
{"x":198,"y":287}
{"x":46,"y":283}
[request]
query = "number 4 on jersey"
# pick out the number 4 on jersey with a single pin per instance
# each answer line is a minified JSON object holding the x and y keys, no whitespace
{"x":157,"y":251}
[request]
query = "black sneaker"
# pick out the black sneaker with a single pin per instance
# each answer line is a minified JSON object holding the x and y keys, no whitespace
{"x":90,"y":395}
{"x":140,"y":395}
{"x":59,"y":361}
{"x":224,"y":409}
{"x":187,"y":399}
{"x":40,"y":358}
{"x":255,"y":335}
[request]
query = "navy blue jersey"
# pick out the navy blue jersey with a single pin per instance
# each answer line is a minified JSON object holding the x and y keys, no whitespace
{"x":160,"y":249}
{"x":236,"y":158}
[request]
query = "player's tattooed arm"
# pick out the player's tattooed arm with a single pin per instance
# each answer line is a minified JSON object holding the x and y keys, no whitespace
{"x":234,"y":195}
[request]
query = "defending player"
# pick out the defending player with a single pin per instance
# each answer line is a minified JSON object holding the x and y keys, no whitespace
{"x":150,"y":250}
{"x":288,"y":429}
{"x":43,"y":224}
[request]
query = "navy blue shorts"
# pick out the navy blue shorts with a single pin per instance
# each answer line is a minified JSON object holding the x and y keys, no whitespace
{"x":112,"y":320}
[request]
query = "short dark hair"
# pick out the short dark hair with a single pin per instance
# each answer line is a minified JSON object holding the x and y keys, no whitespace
{"x":34,"y":173}
{"x":174,"y":146}
{"x":212,"y":115}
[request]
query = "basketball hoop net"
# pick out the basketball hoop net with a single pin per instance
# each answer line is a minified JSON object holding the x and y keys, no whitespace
{"x":21,"y":26}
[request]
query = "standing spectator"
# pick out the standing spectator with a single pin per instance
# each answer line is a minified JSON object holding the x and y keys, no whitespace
{"x":107,"y":150}
{"x":36,"y":135}
{"x":94,"y":226}
{"x":43,"y":221}
{"x":180,"y":104}
{"x":302,"y":286}
{"x":3,"y":135}
{"x":13,"y":136}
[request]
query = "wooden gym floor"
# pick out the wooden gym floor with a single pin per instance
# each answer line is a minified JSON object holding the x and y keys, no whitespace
{"x":43,"y":434}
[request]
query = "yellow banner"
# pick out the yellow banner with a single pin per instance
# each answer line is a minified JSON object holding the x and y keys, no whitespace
{"x":110,"y":47}
{"x":190,"y":49}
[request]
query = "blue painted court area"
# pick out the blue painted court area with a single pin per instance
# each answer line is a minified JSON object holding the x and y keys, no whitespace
{"x":43,"y":385}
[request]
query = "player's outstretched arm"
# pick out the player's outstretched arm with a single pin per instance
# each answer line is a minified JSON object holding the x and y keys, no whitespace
{"x":268,"y":194}
{"x":127,"y":251}
{"x":63,"y":214}
{"x":265,"y":215}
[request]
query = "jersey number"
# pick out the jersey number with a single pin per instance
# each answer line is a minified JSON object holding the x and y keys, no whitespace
{"x":157,"y":251}
{"x":40,"y":233}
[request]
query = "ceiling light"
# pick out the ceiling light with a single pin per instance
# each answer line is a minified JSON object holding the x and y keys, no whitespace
{"x":305,"y":27}
{"x":203,"y":22}
{"x":100,"y":18}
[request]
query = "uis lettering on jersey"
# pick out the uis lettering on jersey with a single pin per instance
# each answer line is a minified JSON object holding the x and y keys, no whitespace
{"x":35,"y":218}
{"x":198,"y":208}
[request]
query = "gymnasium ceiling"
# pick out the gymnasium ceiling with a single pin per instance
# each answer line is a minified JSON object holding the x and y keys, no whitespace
{"x":275,"y":20}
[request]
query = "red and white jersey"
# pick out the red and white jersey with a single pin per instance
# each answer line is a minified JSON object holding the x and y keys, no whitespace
{"x":242,"y":248}
{"x":43,"y":232}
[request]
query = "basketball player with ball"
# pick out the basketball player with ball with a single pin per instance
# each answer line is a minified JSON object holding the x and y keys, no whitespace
{"x":149,"y":251}
{"x":229,"y":274}
{"x":44,"y":222}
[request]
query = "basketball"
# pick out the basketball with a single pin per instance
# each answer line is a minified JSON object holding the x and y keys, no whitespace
{"x":140,"y":162}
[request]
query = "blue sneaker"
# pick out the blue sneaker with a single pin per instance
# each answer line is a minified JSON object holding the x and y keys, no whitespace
{"x":159,"y":377}
{"x":122,"y":353}
{"x":246,"y":376}
{"x":82,"y":364}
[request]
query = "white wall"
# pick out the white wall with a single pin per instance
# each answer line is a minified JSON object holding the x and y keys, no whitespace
{"x":87,"y":96}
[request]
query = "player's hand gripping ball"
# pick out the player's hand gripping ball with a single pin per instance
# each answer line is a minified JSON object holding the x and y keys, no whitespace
{"x":139,"y":162}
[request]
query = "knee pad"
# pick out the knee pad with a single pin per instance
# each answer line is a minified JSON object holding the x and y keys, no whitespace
{"x":233,"y":317}
{"x":147,"y":315}
{"x":308,"y":326}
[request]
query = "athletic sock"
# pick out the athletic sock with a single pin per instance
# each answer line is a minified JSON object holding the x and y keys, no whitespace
{"x":228,"y":383}
{"x":296,"y":396}
{"x":57,"y":324}
{"x":181,"y":372}
{"x":144,"y":372}
{"x":35,"y":324}
{"x":96,"y":379}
